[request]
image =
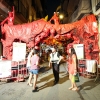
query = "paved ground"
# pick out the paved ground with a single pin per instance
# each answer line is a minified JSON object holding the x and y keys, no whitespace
{"x":89,"y":90}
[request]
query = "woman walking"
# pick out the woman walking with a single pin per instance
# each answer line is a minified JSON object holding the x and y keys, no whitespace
{"x":34,"y":69}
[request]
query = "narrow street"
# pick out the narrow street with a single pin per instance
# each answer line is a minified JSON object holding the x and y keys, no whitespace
{"x":89,"y":90}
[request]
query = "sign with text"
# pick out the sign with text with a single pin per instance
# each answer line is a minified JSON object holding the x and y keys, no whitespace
{"x":5,"y":69}
{"x":79,"y":48}
{"x":19,"y":51}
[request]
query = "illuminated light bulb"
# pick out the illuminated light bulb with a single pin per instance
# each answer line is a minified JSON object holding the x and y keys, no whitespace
{"x":61,"y":16}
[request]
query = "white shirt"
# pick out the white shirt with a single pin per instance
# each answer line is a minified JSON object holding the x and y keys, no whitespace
{"x":29,"y":58}
{"x":54,"y":57}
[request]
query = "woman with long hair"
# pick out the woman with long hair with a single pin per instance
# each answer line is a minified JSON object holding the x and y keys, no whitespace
{"x":72,"y":68}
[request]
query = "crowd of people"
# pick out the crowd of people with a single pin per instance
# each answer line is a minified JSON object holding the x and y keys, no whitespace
{"x":33,"y":63}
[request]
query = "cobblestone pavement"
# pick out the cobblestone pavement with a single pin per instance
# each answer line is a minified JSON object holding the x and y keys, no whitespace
{"x":89,"y":90}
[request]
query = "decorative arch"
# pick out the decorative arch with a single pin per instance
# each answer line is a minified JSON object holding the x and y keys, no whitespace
{"x":83,"y":31}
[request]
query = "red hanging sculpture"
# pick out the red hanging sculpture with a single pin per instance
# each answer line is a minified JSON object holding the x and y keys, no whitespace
{"x":9,"y":19}
{"x":83,"y":31}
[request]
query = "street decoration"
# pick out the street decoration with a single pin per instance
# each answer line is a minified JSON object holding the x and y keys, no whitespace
{"x":83,"y":32}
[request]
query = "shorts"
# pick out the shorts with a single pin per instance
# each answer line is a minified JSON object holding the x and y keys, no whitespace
{"x":34,"y":71}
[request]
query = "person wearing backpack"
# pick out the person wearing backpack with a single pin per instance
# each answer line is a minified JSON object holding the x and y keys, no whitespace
{"x":55,"y":59}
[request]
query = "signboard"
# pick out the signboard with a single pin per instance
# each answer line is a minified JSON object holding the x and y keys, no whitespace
{"x":19,"y":51}
{"x":79,"y":48}
{"x":5,"y":69}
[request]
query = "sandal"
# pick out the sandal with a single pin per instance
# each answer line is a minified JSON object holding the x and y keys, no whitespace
{"x":30,"y":84}
{"x":70,"y":88}
{"x":75,"y":89}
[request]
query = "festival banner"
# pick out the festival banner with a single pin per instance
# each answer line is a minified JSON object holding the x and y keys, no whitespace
{"x":19,"y":51}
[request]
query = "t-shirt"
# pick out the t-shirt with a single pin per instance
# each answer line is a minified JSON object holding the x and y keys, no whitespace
{"x":28,"y":59}
{"x":34,"y":59}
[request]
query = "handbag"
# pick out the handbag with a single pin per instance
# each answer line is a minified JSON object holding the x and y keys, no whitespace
{"x":75,"y":78}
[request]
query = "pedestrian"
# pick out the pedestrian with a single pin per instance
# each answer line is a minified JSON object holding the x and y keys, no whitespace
{"x":28,"y":65}
{"x":55,"y":59}
{"x":72,"y":68}
{"x":34,"y":69}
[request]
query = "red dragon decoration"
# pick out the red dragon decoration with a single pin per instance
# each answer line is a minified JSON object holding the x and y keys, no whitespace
{"x":83,"y":31}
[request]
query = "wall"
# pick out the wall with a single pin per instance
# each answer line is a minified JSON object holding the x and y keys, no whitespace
{"x":32,"y":12}
{"x":94,"y":3}
{"x":0,"y":48}
{"x":84,"y":7}
{"x":97,"y":14}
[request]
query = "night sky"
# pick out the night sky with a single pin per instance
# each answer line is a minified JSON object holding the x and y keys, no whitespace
{"x":51,"y":6}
